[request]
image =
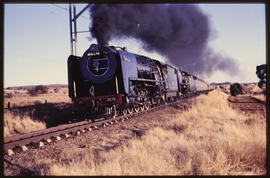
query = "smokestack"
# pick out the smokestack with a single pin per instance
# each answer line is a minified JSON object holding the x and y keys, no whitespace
{"x":180,"y":32}
{"x":98,"y":31}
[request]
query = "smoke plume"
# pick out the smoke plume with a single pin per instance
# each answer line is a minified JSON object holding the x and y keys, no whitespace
{"x":179,"y":32}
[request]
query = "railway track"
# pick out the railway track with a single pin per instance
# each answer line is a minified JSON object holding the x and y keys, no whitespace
{"x":66,"y":130}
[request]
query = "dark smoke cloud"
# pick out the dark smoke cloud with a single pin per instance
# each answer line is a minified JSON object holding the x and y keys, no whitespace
{"x":179,"y":32}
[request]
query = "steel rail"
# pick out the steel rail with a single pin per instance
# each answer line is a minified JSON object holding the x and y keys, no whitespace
{"x":41,"y":135}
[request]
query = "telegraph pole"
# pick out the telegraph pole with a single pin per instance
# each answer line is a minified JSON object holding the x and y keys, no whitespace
{"x":73,"y":27}
{"x":71,"y":30}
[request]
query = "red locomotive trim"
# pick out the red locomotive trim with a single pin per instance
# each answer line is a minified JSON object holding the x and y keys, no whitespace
{"x":103,"y":98}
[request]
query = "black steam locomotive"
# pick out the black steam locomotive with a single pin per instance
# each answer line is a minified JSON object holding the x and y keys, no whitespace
{"x":109,"y":80}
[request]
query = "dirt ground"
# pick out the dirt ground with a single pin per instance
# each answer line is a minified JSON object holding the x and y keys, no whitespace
{"x":247,"y":104}
{"x":252,"y":100}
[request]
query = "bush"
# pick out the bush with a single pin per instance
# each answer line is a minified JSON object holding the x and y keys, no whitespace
{"x":56,"y":90}
{"x":236,"y":89}
{"x":40,"y":89}
{"x":8,"y":95}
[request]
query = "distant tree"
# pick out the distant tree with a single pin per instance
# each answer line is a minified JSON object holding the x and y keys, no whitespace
{"x":40,"y":89}
{"x":236,"y":89}
{"x":261,"y":71}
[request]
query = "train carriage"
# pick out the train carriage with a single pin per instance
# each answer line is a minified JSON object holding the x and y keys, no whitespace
{"x":200,"y":84}
{"x":172,"y":79}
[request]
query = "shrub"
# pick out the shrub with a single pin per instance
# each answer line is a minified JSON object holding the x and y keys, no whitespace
{"x":37,"y":103}
{"x":56,"y":90}
{"x":236,"y":89}
{"x":40,"y":89}
{"x":8,"y":95}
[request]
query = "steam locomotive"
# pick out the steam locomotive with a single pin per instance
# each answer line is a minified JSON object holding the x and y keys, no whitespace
{"x":109,"y":80}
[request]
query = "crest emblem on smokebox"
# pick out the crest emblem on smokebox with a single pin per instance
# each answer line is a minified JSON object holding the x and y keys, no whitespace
{"x":96,"y":64}
{"x":99,"y":66}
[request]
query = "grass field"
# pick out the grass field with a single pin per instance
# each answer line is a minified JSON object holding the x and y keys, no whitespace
{"x":14,"y":124}
{"x":20,"y":97}
{"x":25,"y":114}
{"x":209,"y":139}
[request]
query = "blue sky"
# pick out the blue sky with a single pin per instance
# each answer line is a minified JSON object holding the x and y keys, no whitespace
{"x":37,"y":42}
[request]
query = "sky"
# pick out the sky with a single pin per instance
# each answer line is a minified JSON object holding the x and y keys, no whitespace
{"x":37,"y":41}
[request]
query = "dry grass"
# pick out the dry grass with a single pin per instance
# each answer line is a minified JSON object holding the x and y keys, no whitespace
{"x":260,"y":97}
{"x":209,"y":139}
{"x":258,"y":93}
{"x":22,"y":98}
{"x":22,"y":120}
{"x":250,"y":89}
{"x":14,"y":124}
